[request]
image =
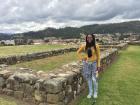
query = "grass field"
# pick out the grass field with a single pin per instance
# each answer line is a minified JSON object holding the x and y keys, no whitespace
{"x":7,"y":100}
{"x":49,"y":63}
{"x":120,"y":83}
{"x":4,"y":101}
{"x":23,"y":49}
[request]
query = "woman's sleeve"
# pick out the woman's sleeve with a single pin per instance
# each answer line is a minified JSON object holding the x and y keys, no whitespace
{"x":81,"y":48}
{"x":98,"y":55}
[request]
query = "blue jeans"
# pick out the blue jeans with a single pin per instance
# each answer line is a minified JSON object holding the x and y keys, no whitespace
{"x":89,"y":72}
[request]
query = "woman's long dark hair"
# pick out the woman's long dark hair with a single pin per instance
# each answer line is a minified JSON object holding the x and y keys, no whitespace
{"x":92,"y":44}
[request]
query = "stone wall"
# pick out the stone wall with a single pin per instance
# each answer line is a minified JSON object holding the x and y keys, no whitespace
{"x":134,"y":43}
{"x":118,"y":46}
{"x":10,"y":60}
{"x":28,"y":57}
{"x":57,"y":87}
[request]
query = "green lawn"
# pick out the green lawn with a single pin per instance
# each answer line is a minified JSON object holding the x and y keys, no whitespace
{"x":49,"y":63}
{"x":120,"y":83}
{"x":24,"y":49}
{"x":7,"y":100}
{"x":4,"y":101}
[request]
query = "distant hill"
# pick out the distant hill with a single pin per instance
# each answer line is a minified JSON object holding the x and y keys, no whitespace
{"x":67,"y":32}
{"x":73,"y":32}
{"x":5,"y":36}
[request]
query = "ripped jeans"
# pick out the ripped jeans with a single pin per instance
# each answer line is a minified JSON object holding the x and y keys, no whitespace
{"x":89,"y":73}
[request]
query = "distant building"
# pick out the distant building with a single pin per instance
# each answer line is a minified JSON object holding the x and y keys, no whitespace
{"x":20,"y":40}
{"x":54,"y":40}
{"x":38,"y":41}
{"x":50,"y":39}
{"x":7,"y":42}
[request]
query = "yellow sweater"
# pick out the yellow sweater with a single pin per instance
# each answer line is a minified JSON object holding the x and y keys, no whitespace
{"x":95,"y":55}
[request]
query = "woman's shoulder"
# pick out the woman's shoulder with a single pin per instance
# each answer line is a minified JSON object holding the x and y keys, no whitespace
{"x":97,"y":45}
{"x":83,"y":45}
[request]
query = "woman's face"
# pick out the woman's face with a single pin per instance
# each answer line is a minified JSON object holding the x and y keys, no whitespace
{"x":89,"y":38}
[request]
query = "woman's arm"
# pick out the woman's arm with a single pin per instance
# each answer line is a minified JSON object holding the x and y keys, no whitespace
{"x":98,"y":55}
{"x":81,"y":48}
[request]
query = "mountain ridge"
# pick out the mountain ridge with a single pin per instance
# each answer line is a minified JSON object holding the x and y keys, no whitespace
{"x":74,"y":32}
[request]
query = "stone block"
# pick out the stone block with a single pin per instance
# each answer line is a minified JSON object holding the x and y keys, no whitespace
{"x":2,"y":82}
{"x":53,"y":85}
{"x":18,"y":94}
{"x":55,"y":98}
{"x":40,"y":96}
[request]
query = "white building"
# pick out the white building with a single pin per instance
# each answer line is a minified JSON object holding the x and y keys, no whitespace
{"x":7,"y":42}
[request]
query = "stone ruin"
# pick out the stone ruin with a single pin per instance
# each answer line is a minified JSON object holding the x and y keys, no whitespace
{"x":134,"y":43}
{"x":119,"y":46}
{"x":58,"y":87}
{"x":10,"y":60}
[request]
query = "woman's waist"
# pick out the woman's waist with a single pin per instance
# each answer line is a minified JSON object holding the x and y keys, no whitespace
{"x":91,"y":59}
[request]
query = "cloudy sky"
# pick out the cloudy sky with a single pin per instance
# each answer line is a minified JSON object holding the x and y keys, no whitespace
{"x":28,"y":15}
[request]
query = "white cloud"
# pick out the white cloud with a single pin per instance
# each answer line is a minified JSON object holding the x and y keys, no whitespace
{"x":28,"y":15}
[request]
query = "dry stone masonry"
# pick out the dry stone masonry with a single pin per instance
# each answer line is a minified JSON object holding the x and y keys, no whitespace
{"x":118,"y":46}
{"x":134,"y":43}
{"x":9,"y":60}
{"x":57,"y":87}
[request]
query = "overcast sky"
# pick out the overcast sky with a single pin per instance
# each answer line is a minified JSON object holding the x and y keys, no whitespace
{"x":28,"y":15}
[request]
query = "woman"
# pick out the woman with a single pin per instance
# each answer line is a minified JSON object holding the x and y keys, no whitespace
{"x":91,"y":63}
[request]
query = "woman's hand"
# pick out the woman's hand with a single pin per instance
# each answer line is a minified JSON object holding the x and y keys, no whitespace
{"x":97,"y":74}
{"x":84,"y":59}
{"x":98,"y":69}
